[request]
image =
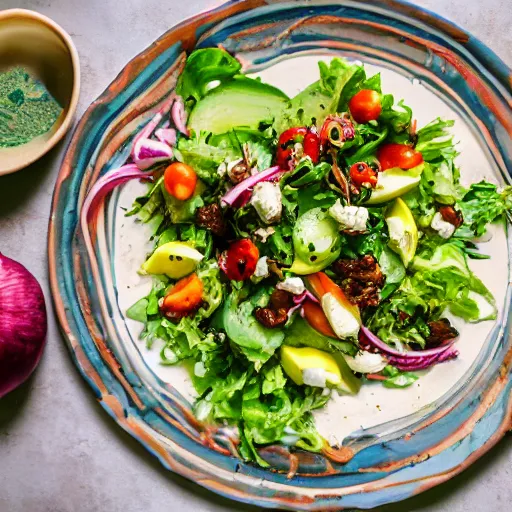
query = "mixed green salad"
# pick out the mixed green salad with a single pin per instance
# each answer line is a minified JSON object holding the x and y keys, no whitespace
{"x":302,"y":246}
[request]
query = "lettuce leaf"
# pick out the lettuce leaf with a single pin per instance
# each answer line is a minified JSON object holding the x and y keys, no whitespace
{"x":481,"y":205}
{"x":321,"y":98}
{"x":202,"y":69}
{"x":438,"y":283}
{"x":204,"y":157}
{"x":255,"y":342}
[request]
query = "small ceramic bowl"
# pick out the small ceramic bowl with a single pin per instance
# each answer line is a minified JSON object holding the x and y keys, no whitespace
{"x":33,"y":41}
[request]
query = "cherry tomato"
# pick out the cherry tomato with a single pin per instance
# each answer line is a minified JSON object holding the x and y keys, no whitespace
{"x":365,"y":106}
{"x":315,"y":317}
{"x":361,"y":173}
{"x":398,"y":155}
{"x":239,"y":261}
{"x":311,"y":145}
{"x":184,"y":297}
{"x":180,"y":181}
{"x":309,"y":139}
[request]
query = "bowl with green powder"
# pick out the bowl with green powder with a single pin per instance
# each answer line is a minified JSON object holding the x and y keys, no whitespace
{"x":39,"y":87}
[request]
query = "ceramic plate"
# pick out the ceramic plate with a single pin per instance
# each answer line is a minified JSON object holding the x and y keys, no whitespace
{"x":391,"y":444}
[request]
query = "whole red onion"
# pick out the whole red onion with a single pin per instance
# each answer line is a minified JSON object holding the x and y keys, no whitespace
{"x":23,"y":324}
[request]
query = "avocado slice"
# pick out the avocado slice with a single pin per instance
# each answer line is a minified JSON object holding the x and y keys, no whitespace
{"x":301,"y":334}
{"x":318,"y":368}
{"x":241,"y":102}
{"x":395,"y":182}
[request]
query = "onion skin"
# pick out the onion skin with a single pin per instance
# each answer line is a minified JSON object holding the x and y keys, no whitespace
{"x":23,"y":324}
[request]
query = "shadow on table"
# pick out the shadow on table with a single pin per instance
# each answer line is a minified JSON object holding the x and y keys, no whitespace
{"x":18,"y":187}
{"x":13,"y":404}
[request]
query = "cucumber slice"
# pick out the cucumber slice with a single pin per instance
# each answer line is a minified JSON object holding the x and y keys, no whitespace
{"x":316,"y":241}
{"x":241,"y":102}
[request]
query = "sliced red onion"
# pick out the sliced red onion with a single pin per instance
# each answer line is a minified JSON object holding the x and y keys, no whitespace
{"x":179,"y":116}
{"x":299,"y":300}
{"x":148,"y":152}
{"x":106,"y":184}
{"x":422,"y":363}
{"x":386,"y":349}
{"x":150,"y":127}
{"x":167,"y":135}
{"x":306,"y":294}
{"x":230,"y":198}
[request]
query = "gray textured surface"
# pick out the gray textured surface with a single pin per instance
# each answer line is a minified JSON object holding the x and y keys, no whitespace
{"x":59,"y":451}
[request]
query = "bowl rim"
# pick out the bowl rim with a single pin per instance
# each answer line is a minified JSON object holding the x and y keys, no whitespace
{"x":75,"y":92}
{"x":483,"y":55}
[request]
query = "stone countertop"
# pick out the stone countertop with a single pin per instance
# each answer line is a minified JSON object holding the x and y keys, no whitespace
{"x":59,"y":451}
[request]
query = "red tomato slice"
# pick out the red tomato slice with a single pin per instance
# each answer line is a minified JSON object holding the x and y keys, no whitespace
{"x":365,"y":106}
{"x":398,"y":155}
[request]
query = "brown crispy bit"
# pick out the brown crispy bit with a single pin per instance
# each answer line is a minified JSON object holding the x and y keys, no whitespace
{"x":270,"y":318}
{"x":403,"y":316}
{"x":281,"y":299}
{"x":451,"y":215}
{"x":441,"y":331}
{"x":362,"y":280}
{"x":362,"y":294}
{"x":238,"y":173}
{"x":365,"y":269}
{"x":210,"y":217}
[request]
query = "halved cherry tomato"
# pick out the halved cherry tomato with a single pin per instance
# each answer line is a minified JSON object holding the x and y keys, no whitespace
{"x":180,"y":180}
{"x":239,"y":261}
{"x":398,"y":155}
{"x":365,"y":106}
{"x":184,"y":297}
{"x":315,"y":316}
{"x":361,"y":173}
{"x":320,"y":284}
{"x":310,"y":143}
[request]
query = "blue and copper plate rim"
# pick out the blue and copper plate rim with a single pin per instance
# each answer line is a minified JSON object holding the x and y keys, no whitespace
{"x":324,"y":497}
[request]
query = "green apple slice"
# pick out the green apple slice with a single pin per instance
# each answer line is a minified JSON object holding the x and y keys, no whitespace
{"x":395,"y":182}
{"x":174,"y":259}
{"x":403,"y":233}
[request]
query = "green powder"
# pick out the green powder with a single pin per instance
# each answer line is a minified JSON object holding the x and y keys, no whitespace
{"x":27,"y":109}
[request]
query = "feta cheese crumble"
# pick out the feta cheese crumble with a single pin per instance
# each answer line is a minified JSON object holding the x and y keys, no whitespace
{"x":262,"y":267}
{"x":366,"y":362}
{"x":264,"y":233}
{"x":443,"y":228}
{"x":350,"y":218}
{"x":401,"y":238}
{"x":343,"y":322}
{"x":293,"y":285}
{"x":318,"y":377}
{"x":267,"y":201}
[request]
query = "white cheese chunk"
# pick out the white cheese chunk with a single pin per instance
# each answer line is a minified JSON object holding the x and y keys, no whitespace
{"x":350,"y":218}
{"x":264,"y":233}
{"x":262,"y":268}
{"x":342,"y":321}
{"x":267,"y":201}
{"x":366,"y":362}
{"x":293,"y":285}
{"x":318,"y":377}
{"x":401,"y":237}
{"x":443,"y":228}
